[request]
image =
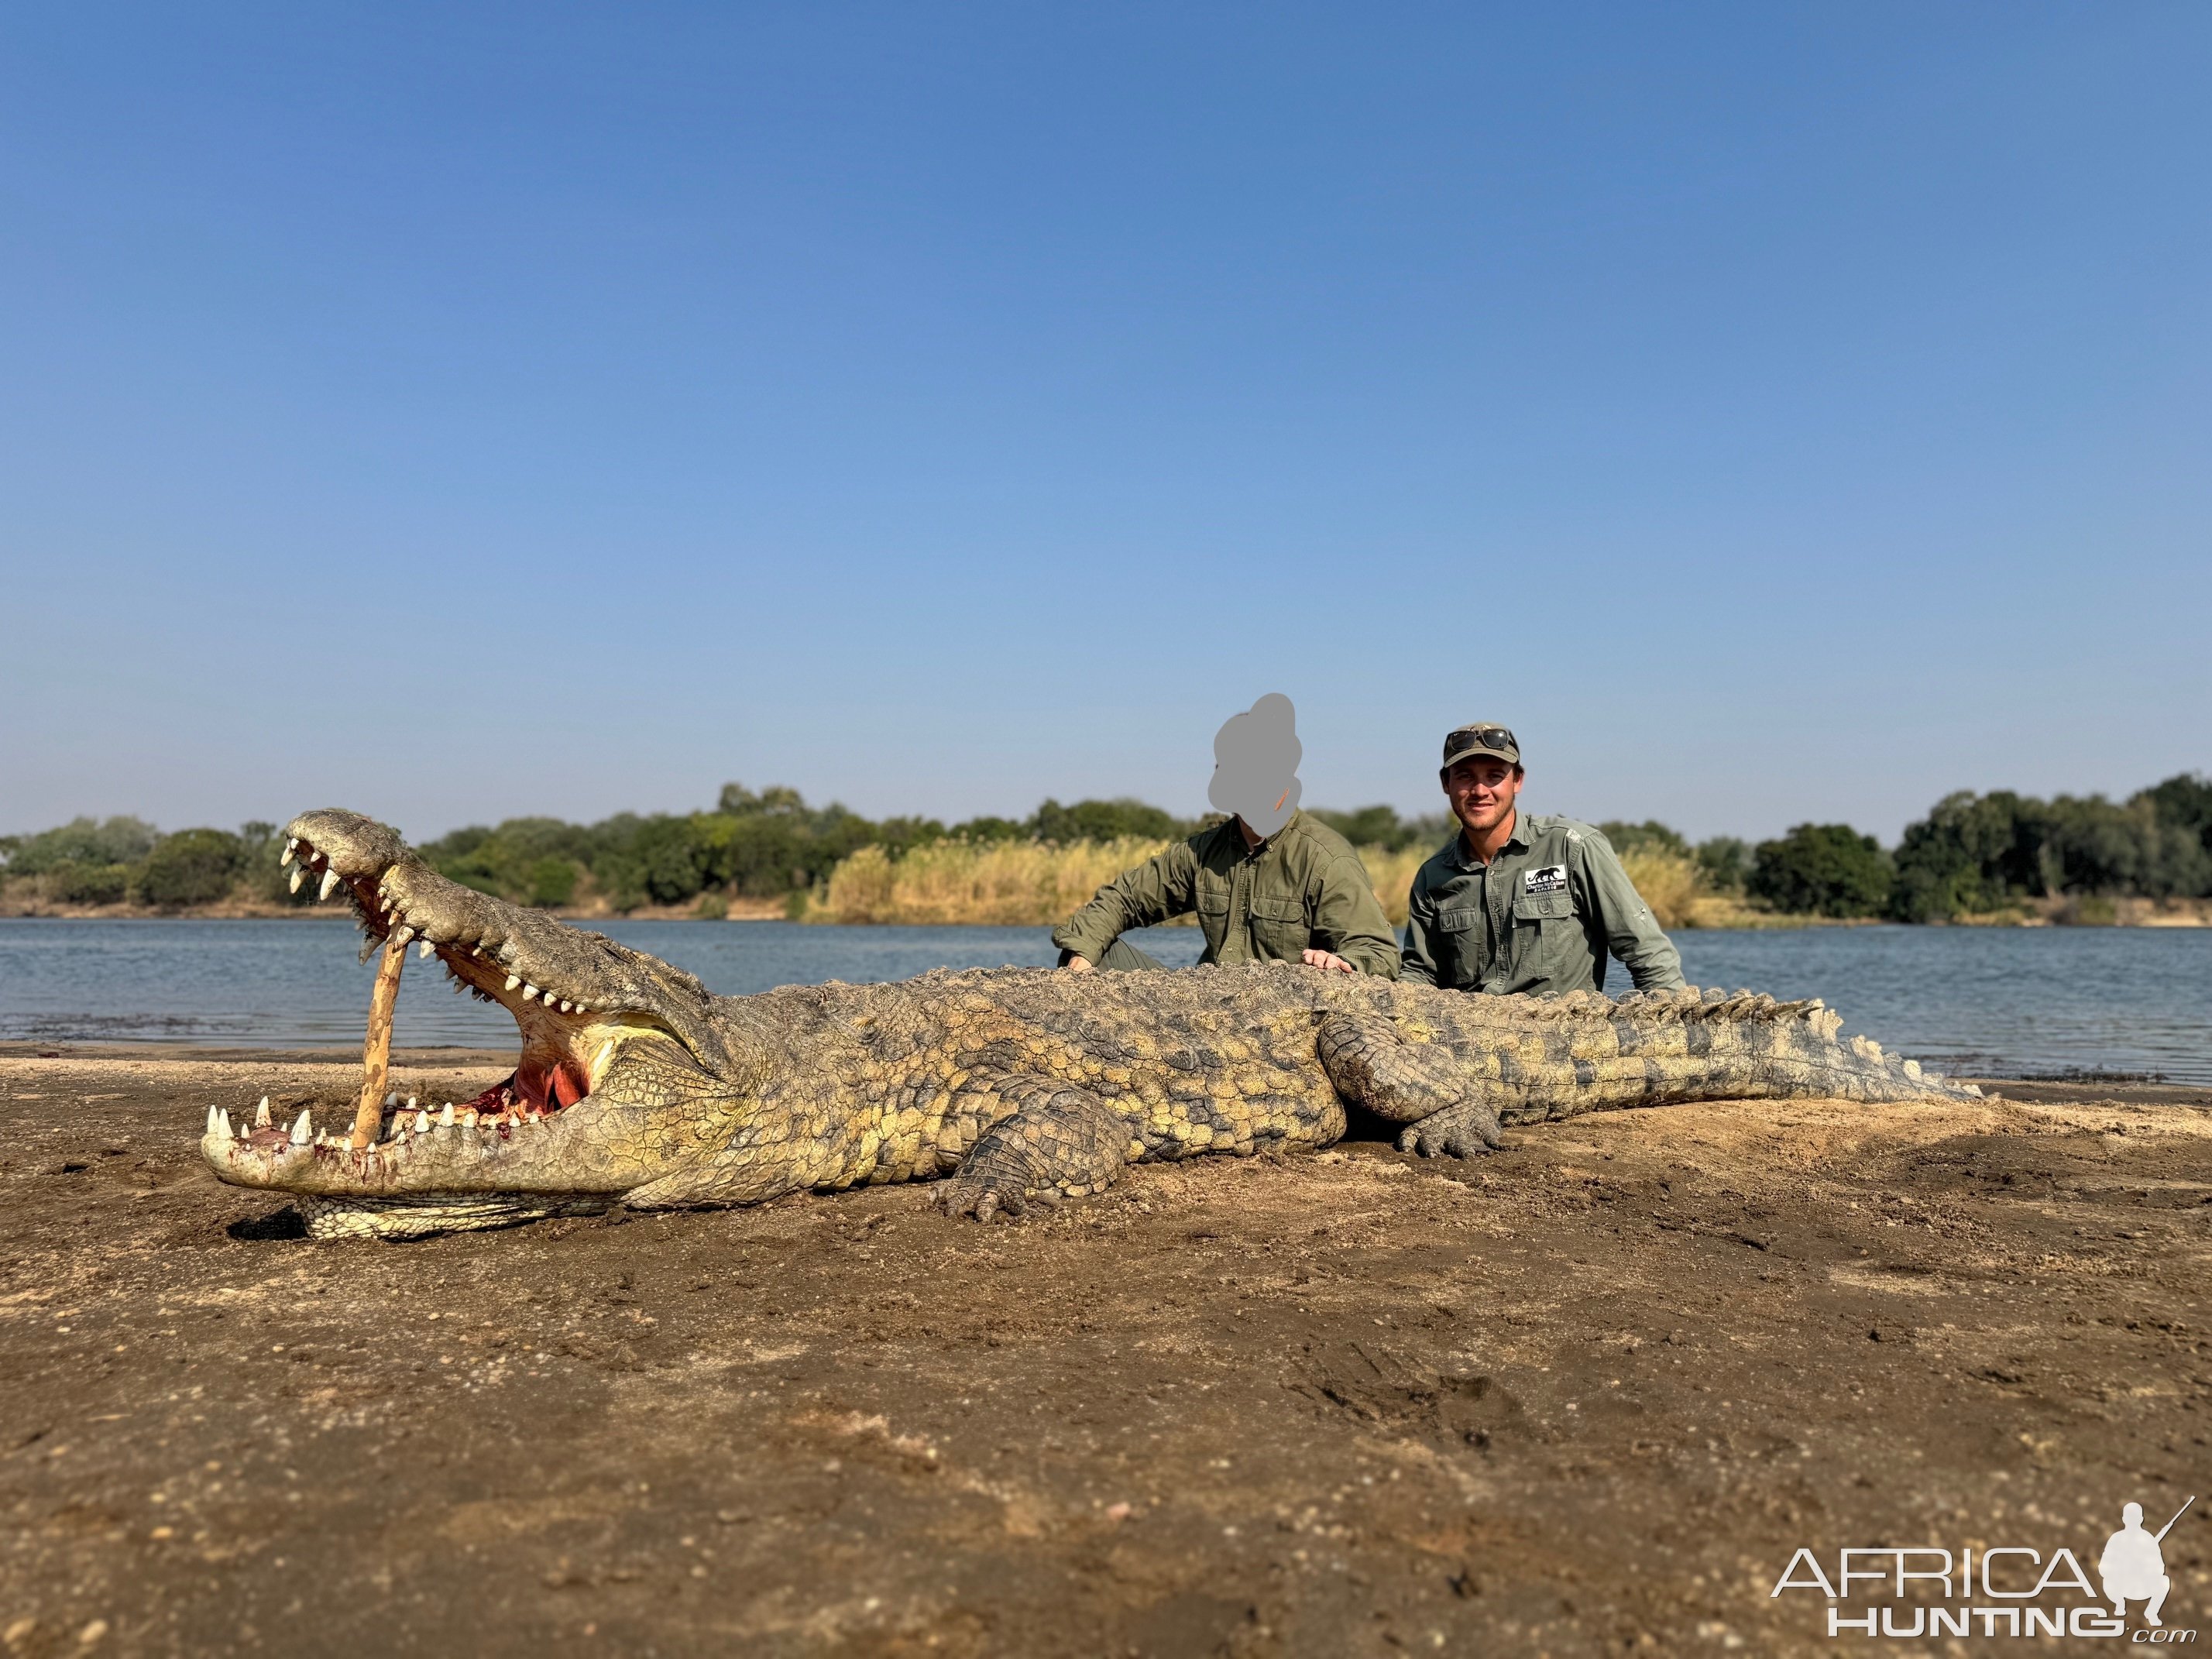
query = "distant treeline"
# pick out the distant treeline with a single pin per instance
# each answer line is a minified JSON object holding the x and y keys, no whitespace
{"x":1977,"y":855}
{"x":768,"y":844}
{"x":1972,"y":856}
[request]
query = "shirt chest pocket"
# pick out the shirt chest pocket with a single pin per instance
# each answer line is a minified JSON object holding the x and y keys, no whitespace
{"x":1279,"y":928}
{"x":1212,"y":896}
{"x":1459,"y":935}
{"x":1543,"y":907}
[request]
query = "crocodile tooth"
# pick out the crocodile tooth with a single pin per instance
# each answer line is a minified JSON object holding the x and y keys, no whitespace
{"x":567,"y":1007}
{"x":330,"y":883}
{"x":303,"y":1129}
{"x":422,"y":1123}
{"x":425,"y":950}
{"x":401,"y":939}
{"x":469,"y":1118}
{"x":513,"y":980}
{"x":224,"y":1119}
{"x":299,"y":876}
{"x":445,"y":1117}
{"x":210,"y":1128}
{"x":529,"y":991}
{"x":290,"y":848}
{"x":411,"y":1103}
{"x":261,"y":1114}
{"x":393,"y":1099}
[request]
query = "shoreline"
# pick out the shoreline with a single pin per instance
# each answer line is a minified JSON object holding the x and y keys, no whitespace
{"x":2122,"y":1088}
{"x":249,"y":910}
{"x":2146,"y":918}
{"x":2117,"y":1088}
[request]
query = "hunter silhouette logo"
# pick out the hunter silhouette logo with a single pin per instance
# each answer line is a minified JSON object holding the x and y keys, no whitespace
{"x":2133,"y":1566}
{"x":1998,"y":1589}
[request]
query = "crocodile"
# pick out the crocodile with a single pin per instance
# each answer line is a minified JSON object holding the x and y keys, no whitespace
{"x":1010,"y":1087}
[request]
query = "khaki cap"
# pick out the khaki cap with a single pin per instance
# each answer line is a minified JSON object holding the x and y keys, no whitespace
{"x":1479,"y":738}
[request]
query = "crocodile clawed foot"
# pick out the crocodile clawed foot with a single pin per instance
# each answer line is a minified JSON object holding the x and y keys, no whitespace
{"x":984,"y":1198}
{"x":1468,"y":1130}
{"x":1061,"y":1142}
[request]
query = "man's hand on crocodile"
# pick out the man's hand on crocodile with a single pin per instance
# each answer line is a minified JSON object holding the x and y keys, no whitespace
{"x":1328,"y":959}
{"x":1468,"y":1130}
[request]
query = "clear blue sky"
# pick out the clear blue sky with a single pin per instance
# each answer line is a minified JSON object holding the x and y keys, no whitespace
{"x":1773,"y":412}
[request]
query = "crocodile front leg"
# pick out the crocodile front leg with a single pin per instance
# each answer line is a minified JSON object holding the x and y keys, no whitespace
{"x":1059,"y":1142}
{"x":1423,"y":1085}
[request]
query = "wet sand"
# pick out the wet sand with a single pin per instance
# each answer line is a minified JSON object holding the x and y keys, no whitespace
{"x":1585,"y":1396}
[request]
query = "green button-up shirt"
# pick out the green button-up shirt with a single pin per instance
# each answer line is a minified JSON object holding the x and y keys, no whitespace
{"x":1539,"y":917}
{"x":1303,"y":887}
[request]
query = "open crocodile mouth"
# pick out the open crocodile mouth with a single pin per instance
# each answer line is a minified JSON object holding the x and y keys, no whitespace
{"x":580,"y":1003}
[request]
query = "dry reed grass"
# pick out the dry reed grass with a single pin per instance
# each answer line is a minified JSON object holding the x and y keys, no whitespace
{"x":1391,"y":874}
{"x":1669,"y":884}
{"x":1020,"y":883}
{"x":1015,"y":883}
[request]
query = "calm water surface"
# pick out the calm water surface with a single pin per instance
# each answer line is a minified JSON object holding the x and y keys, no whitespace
{"x":2005,"y":1002}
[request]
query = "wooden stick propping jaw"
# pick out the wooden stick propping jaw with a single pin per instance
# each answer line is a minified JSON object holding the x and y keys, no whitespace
{"x":376,"y":1052}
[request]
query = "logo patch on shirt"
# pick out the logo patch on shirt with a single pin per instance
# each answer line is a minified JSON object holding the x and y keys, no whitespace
{"x":1552,"y":878}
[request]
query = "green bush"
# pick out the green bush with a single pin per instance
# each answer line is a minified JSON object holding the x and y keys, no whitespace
{"x":1103,"y":820}
{"x":1724,"y":864}
{"x":264,"y":877}
{"x":1649,"y":836}
{"x":82,"y":841}
{"x":1381,"y":826}
{"x":1982,"y":853}
{"x":987,"y":828}
{"x":670,"y":859}
{"x":1822,"y":869}
{"x":193,"y":867}
{"x":2184,"y":802}
{"x":89,"y":884}
{"x":552,"y":882}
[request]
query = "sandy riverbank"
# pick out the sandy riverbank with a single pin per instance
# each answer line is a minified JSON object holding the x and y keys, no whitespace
{"x":1585,"y":1396}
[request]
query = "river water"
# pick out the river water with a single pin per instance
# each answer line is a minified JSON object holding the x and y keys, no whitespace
{"x":2009,"y":1002}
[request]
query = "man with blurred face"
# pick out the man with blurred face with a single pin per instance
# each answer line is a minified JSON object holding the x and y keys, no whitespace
{"x":1270,"y":883}
{"x":1521,"y":903}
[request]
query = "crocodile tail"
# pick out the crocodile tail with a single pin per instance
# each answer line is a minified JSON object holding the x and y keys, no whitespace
{"x":1582,"y":1053}
{"x":1754,"y":1047}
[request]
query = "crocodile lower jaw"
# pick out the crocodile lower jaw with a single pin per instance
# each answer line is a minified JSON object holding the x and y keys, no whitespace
{"x":567,"y":1047}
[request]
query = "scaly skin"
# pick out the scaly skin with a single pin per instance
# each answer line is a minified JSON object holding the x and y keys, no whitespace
{"x":1017,"y":1085}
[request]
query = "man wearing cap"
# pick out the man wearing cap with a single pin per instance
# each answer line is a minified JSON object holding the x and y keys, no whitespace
{"x":1269,"y":884}
{"x":1516,"y":903}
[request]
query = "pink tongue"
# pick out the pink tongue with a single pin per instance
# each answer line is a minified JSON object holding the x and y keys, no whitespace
{"x":548,"y":1087}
